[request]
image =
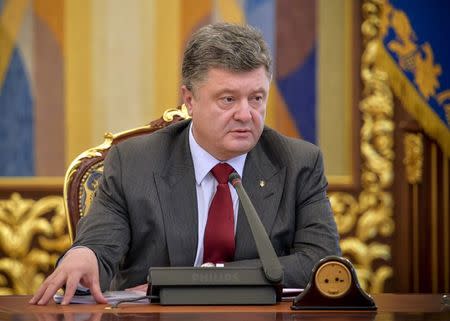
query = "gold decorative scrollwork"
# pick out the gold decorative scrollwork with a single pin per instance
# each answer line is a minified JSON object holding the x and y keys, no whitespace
{"x":366,"y":222}
{"x":32,"y":236}
{"x":169,"y":114}
{"x":346,"y":211}
{"x":413,"y":160}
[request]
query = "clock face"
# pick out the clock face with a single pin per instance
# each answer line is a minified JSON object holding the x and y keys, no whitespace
{"x":333,"y":279}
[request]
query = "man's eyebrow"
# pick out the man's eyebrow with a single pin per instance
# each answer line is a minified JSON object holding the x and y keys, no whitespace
{"x":260,"y":90}
{"x":226,"y":91}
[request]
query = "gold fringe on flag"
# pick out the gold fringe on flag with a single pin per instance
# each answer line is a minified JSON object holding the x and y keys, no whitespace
{"x":413,"y":102}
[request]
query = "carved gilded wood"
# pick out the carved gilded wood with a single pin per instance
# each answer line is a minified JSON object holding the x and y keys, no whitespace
{"x":413,"y":146}
{"x":33,"y":234}
{"x":365,"y":222}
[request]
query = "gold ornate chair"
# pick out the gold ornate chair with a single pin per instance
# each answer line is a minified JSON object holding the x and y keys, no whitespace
{"x":82,"y":176}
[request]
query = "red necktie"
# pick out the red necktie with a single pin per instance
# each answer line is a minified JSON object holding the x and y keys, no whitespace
{"x":218,"y":242}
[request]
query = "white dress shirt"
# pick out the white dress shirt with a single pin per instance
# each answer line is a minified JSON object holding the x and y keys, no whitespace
{"x":206,"y":186}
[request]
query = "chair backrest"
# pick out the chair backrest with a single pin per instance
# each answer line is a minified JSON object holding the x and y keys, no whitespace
{"x":82,"y":176}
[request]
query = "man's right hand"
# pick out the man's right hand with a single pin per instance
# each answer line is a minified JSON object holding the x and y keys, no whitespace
{"x":79,"y":266}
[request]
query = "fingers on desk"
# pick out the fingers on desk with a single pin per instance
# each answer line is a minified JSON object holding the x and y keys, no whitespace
{"x":50,"y":286}
{"x":97,"y":292}
{"x":71,"y":287}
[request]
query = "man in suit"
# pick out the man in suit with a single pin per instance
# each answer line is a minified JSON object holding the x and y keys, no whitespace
{"x":156,"y":203}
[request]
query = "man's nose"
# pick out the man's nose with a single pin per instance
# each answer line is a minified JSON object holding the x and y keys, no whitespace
{"x":243,"y":111}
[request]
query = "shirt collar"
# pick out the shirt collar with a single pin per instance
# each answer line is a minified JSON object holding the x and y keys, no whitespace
{"x":204,"y":161}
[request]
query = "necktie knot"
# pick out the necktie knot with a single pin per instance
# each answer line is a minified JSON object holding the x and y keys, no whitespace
{"x":221,"y":172}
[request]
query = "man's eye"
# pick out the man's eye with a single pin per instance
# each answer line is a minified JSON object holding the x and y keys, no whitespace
{"x":257,"y":99}
{"x":227,"y":99}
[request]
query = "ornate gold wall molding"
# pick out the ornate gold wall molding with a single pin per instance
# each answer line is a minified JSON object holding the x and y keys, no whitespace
{"x":366,"y":223}
{"x":413,"y":147}
{"x":33,"y":234}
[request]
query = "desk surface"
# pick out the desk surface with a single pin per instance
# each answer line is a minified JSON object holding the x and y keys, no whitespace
{"x":392,"y":307}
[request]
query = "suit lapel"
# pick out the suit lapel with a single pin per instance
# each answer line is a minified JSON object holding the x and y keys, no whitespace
{"x":264,"y":184}
{"x":178,"y":199}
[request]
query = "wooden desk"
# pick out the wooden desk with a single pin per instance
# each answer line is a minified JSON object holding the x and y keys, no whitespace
{"x":392,"y":307}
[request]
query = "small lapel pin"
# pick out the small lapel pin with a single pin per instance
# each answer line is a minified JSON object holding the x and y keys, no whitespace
{"x":262,"y":183}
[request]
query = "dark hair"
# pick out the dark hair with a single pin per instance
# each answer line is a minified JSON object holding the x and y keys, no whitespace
{"x":224,"y":45}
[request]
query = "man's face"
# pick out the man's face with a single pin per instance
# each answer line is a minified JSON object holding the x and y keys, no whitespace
{"x":228,"y":110}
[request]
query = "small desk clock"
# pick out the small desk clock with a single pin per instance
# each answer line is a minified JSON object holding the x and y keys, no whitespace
{"x":333,"y":286}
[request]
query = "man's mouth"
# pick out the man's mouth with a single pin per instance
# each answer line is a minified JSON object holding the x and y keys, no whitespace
{"x":243,"y":130}
{"x":241,"y":133}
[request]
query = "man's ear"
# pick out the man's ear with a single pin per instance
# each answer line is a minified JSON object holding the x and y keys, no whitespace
{"x":188,"y":96}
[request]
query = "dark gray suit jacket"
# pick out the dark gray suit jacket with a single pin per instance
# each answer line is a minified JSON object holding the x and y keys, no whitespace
{"x":145,"y":210}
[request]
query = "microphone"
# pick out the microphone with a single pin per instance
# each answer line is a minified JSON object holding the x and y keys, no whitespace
{"x":223,"y":285}
{"x":271,"y":265}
